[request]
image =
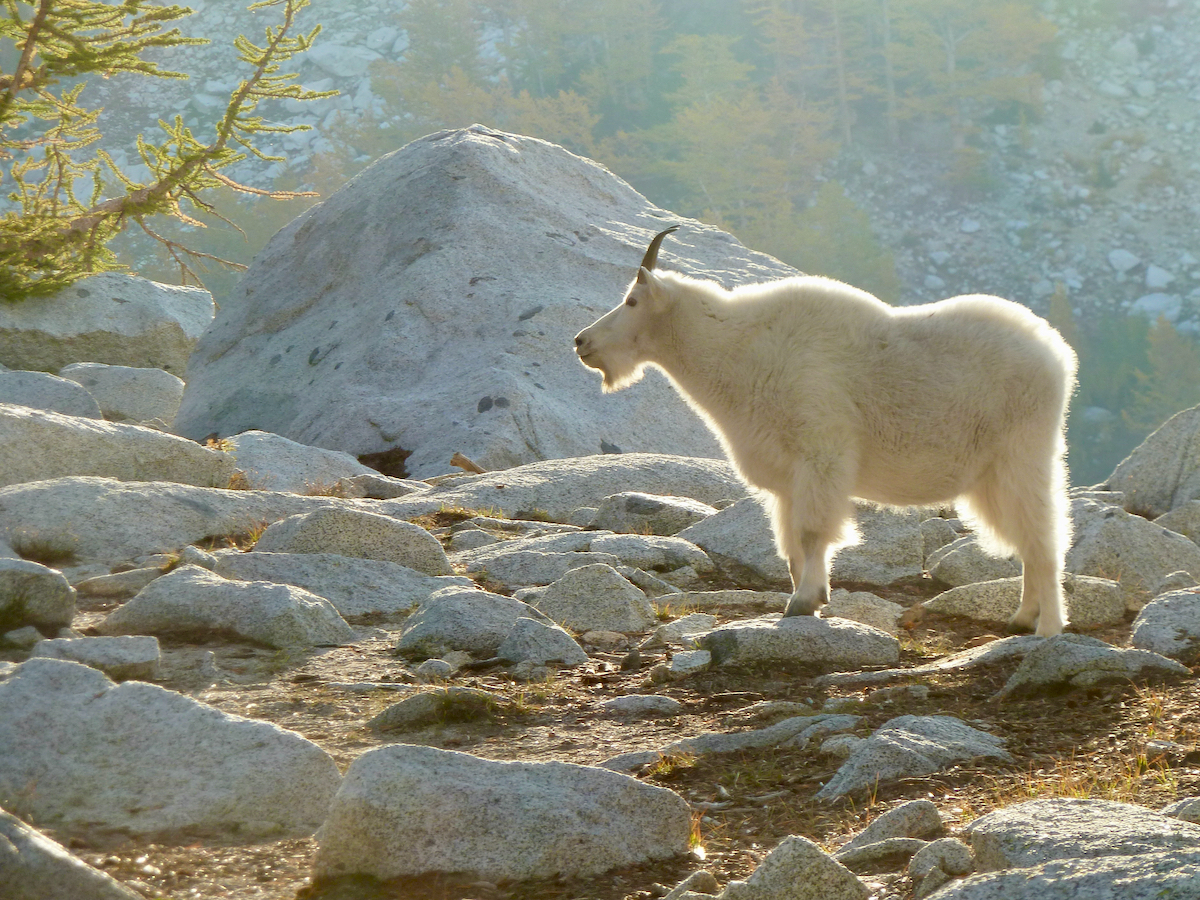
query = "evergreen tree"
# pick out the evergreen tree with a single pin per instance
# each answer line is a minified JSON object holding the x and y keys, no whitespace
{"x":70,"y":206}
{"x":1169,"y":383}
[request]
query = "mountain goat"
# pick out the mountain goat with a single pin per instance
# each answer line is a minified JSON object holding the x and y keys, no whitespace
{"x":821,"y":393}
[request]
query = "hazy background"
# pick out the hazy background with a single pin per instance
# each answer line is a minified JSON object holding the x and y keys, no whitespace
{"x":916,"y":148}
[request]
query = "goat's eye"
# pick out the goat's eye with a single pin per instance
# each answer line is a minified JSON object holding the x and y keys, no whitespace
{"x":631,"y":301}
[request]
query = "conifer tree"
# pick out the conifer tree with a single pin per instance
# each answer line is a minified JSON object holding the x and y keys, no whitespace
{"x":67,"y":202}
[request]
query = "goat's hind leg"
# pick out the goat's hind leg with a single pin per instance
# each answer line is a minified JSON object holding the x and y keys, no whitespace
{"x":1029,"y":513}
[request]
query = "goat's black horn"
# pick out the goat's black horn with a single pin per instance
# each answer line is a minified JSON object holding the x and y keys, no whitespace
{"x":651,"y":258}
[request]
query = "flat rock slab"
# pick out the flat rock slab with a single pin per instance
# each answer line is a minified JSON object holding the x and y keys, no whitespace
{"x":355,"y":586}
{"x":121,"y":658}
{"x":641,"y":513}
{"x":1150,"y":876}
{"x":557,"y":487}
{"x":90,"y":516}
{"x":33,"y":867}
{"x":516,"y":568}
{"x":909,"y":747}
{"x":796,"y":730}
{"x":355,"y":532}
{"x":193,"y":600}
{"x":985,"y":654}
{"x":36,"y":445}
{"x":1036,"y":832}
{"x":1074,"y":660}
{"x":807,"y":640}
{"x":454,"y":704}
{"x":140,"y":759}
{"x":408,"y":810}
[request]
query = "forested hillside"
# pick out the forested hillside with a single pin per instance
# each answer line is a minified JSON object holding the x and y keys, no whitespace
{"x":917,"y":148}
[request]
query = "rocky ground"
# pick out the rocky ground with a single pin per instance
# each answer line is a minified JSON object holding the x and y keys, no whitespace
{"x":870,"y":751}
{"x":1091,"y":743}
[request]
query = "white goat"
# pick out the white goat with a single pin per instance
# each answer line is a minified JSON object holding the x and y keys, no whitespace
{"x":820,"y":393}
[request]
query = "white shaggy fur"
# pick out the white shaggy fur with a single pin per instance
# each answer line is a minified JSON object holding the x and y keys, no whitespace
{"x":821,"y":393}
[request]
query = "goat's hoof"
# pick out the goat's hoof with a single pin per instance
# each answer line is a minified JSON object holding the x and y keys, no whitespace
{"x":797,"y":609}
{"x":1015,"y":627}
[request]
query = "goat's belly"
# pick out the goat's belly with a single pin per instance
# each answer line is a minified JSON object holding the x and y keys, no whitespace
{"x":910,"y":482}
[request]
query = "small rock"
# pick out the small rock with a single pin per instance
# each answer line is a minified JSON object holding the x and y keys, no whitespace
{"x":911,"y":746}
{"x":534,"y":641}
{"x":464,"y":619}
{"x":798,"y":870}
{"x":643,"y":704}
{"x":496,"y":820}
{"x":33,"y":594}
{"x":1170,"y":625}
{"x":864,"y":607}
{"x":912,"y":819}
{"x":950,"y":855}
{"x":596,"y":598}
{"x":1122,"y":260}
{"x":119,"y":584}
{"x":192,"y":599}
{"x":21,"y":638}
{"x":349,"y":532}
{"x":689,"y":662}
{"x":454,"y":704}
{"x":830,"y":643}
{"x":33,"y":867}
{"x":1080,"y":662}
{"x":434,"y":670}
{"x":128,"y":394}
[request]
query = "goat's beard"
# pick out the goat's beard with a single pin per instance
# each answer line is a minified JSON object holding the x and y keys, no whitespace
{"x":619,"y":379}
{"x":618,"y":373}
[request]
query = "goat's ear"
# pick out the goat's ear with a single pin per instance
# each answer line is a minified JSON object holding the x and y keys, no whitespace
{"x":645,"y":276}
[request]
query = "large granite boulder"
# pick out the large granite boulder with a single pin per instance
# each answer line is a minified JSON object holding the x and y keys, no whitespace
{"x":431,"y":303}
{"x":1163,"y":472}
{"x":110,"y":318}
{"x":139,"y":759}
{"x":408,"y":810}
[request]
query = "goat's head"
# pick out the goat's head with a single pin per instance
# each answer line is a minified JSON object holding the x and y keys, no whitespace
{"x":618,"y":342}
